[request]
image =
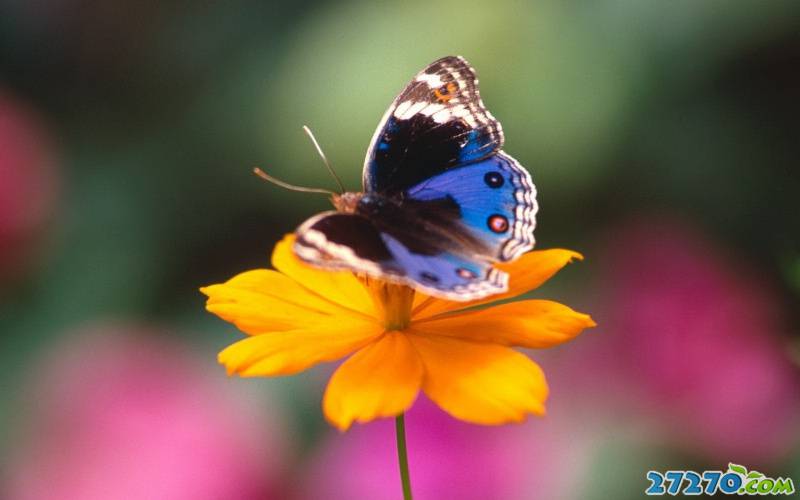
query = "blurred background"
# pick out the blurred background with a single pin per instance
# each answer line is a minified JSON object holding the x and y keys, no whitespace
{"x":663,"y":139}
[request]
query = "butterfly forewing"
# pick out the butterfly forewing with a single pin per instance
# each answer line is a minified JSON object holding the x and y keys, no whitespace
{"x":437,"y":122}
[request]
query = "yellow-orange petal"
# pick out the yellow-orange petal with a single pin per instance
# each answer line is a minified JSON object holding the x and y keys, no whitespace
{"x":291,"y":351}
{"x":479,"y":382}
{"x":535,"y":324}
{"x":341,"y":287}
{"x":525,"y":274}
{"x":380,"y":380}
{"x":263,"y":300}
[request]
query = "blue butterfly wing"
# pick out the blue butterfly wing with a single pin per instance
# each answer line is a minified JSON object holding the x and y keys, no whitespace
{"x":438,"y":122}
{"x":447,"y":274}
{"x":496,"y":199}
{"x":336,"y":240}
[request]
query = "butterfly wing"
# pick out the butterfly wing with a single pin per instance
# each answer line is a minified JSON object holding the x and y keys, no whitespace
{"x":496,"y":200}
{"x":436,"y":123}
{"x":336,"y":240}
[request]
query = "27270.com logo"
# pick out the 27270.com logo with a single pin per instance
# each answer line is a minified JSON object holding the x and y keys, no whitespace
{"x":737,"y":480}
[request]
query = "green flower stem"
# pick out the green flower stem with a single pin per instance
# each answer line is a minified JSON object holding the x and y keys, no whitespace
{"x":402,"y":455}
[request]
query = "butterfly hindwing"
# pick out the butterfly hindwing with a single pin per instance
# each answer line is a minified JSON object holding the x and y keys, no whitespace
{"x":496,"y":200}
{"x":446,"y":274}
{"x":436,"y":123}
{"x":336,"y":240}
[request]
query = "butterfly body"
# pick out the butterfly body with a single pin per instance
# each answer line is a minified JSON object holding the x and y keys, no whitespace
{"x":441,"y":202}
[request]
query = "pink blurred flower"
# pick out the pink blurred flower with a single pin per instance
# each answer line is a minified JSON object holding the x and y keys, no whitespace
{"x":696,"y":339}
{"x":28,"y":182}
{"x":448,"y":459}
{"x":120,"y":413}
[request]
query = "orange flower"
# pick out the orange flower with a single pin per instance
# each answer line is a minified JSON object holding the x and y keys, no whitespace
{"x":398,"y":341}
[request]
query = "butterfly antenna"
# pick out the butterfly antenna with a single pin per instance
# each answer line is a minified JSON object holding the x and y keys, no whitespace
{"x":290,"y":187}
{"x":324,"y":158}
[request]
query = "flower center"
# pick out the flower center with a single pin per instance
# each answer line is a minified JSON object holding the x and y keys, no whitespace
{"x":392,"y":301}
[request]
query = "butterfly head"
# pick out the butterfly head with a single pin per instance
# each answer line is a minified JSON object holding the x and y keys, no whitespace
{"x":346,"y":202}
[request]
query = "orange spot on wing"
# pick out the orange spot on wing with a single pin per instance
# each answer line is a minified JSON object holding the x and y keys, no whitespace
{"x":445,"y":92}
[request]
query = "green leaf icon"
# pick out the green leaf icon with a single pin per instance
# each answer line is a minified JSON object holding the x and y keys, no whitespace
{"x":737,"y":468}
{"x":754,"y":474}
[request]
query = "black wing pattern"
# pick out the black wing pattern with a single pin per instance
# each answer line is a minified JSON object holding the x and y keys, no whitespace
{"x":436,"y":123}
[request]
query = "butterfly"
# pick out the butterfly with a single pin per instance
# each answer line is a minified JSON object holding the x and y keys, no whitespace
{"x":441,"y":202}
